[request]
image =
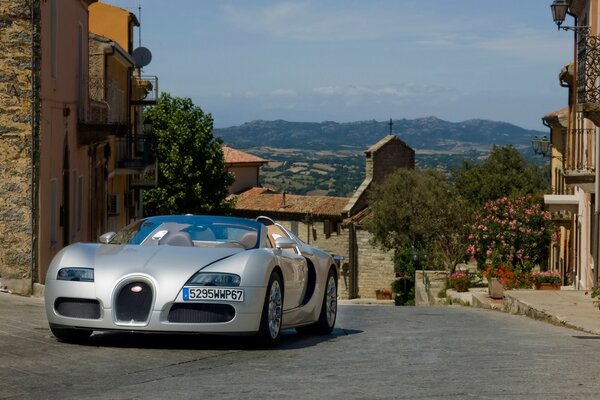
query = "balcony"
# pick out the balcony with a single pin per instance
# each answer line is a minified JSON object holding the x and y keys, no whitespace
{"x":104,"y":113}
{"x":580,"y":158}
{"x":144,"y":90}
{"x":588,"y":76}
{"x":135,"y":157}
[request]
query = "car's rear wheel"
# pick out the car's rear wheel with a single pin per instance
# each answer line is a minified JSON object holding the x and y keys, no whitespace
{"x":270,"y":321}
{"x":70,"y":335}
{"x":328,"y":315}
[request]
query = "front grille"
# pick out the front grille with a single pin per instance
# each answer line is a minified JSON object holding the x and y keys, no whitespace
{"x":77,"y":308}
{"x":133,"y":302}
{"x":201,"y":313}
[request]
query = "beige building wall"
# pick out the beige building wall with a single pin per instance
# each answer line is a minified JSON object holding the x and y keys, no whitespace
{"x":64,"y":164}
{"x":246,"y":177}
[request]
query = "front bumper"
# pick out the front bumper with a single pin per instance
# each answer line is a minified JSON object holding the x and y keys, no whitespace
{"x":243,"y":317}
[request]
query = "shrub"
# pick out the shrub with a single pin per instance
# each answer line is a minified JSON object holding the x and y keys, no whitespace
{"x":460,"y":281}
{"x":510,"y":277}
{"x":546,"y":277}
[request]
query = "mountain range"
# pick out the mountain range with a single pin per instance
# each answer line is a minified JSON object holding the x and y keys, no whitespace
{"x":422,"y":134}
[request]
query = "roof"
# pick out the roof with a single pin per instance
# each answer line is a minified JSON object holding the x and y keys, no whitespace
{"x":233,"y":156}
{"x":263,"y":200}
{"x":384,"y":141}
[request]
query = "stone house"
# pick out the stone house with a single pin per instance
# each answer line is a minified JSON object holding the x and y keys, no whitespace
{"x":334,"y":224}
{"x":62,"y":121}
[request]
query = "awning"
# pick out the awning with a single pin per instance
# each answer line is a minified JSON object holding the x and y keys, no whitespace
{"x":561,"y":202}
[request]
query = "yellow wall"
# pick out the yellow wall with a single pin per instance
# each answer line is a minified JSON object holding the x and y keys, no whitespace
{"x":114,"y":23}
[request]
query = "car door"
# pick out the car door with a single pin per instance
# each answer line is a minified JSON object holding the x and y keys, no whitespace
{"x":294,"y":268}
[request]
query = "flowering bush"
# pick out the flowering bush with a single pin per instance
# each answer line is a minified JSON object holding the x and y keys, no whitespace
{"x":546,"y":277}
{"x":514,"y":231}
{"x":510,"y":277}
{"x":460,"y":281}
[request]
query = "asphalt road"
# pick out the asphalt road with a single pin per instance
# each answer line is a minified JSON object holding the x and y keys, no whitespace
{"x":376,"y":352}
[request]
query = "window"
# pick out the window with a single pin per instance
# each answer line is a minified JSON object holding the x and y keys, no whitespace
{"x":53,"y":212}
{"x":53,"y":38}
{"x":79,"y":203}
{"x":73,"y":205}
{"x":294,"y":227}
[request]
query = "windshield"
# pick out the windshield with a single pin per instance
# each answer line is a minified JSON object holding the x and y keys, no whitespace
{"x":196,"y":231}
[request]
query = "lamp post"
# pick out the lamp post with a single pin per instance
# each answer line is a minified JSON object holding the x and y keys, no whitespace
{"x":560,"y":9}
{"x":541,"y":145}
{"x":416,"y":257}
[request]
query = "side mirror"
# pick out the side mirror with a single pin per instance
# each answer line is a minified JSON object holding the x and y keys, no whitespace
{"x":285,"y":243}
{"x":107,"y":237}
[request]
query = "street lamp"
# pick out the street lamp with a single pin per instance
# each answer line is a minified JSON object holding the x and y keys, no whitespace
{"x":541,"y":145}
{"x":416,"y":257}
{"x":560,"y":9}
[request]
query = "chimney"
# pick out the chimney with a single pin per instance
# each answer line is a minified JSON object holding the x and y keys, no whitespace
{"x":283,"y":205}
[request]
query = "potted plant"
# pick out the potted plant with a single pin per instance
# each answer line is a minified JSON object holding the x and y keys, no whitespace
{"x":547,"y":280}
{"x":383,"y":294}
{"x":460,"y":281}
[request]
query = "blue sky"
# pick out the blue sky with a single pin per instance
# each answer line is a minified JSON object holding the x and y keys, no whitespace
{"x":351,"y":60}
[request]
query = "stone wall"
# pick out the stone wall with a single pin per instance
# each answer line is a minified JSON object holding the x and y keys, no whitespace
{"x":19,"y":45}
{"x":375,"y":266}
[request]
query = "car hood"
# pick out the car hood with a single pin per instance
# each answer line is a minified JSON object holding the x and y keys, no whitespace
{"x":156,"y":261}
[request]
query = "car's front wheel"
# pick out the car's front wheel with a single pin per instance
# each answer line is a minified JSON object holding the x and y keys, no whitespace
{"x":70,"y":335}
{"x":270,"y":321}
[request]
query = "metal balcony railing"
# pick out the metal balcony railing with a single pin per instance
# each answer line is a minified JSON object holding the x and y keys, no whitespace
{"x":588,"y":68}
{"x":580,"y":151}
{"x":144,"y":90}
{"x":135,"y":152}
{"x":106,"y":102}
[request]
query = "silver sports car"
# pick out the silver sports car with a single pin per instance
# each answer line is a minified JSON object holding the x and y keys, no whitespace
{"x":186,"y":273}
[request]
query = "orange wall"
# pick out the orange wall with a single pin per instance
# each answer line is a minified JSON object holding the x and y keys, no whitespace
{"x":112,"y":22}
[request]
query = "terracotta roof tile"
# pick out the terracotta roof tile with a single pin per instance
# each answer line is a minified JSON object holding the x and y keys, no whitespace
{"x":233,"y":156}
{"x":266,"y":200}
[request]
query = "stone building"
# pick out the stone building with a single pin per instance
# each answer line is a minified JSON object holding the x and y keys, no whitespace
{"x":334,"y":224}
{"x":20,"y":58}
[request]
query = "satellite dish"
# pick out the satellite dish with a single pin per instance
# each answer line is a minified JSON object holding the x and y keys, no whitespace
{"x":141,"y":56}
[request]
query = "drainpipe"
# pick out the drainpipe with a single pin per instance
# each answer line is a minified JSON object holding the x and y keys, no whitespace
{"x":596,"y":205}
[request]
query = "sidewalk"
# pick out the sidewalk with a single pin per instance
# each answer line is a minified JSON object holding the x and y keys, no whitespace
{"x":570,"y":308}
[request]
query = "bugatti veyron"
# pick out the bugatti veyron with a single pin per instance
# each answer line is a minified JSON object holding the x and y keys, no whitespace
{"x":186,"y":273}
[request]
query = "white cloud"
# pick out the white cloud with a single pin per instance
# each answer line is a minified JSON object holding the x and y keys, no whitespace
{"x":284,"y":92}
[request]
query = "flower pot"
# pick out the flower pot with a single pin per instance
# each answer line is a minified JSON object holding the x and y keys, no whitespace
{"x":383,"y":295}
{"x":496,"y":290}
{"x":547,"y":286}
{"x":461,"y":286}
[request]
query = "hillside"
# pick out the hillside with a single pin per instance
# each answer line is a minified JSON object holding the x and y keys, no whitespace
{"x":427,"y":134}
{"x":327,"y":158}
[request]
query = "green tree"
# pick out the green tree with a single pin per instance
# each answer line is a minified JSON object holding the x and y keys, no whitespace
{"x":419,"y":209}
{"x":191,"y":168}
{"x":504,"y":173}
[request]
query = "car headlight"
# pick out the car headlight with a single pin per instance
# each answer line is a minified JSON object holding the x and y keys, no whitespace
{"x":214,"y":279}
{"x":77,"y":274}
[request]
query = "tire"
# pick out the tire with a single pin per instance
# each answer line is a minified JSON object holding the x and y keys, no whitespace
{"x":272,"y":313}
{"x":71,"y":335}
{"x":328,"y":315}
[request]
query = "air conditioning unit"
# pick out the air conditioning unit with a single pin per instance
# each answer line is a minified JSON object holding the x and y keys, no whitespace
{"x":114,"y":205}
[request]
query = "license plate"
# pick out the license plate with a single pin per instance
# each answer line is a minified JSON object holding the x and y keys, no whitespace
{"x":212,"y":293}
